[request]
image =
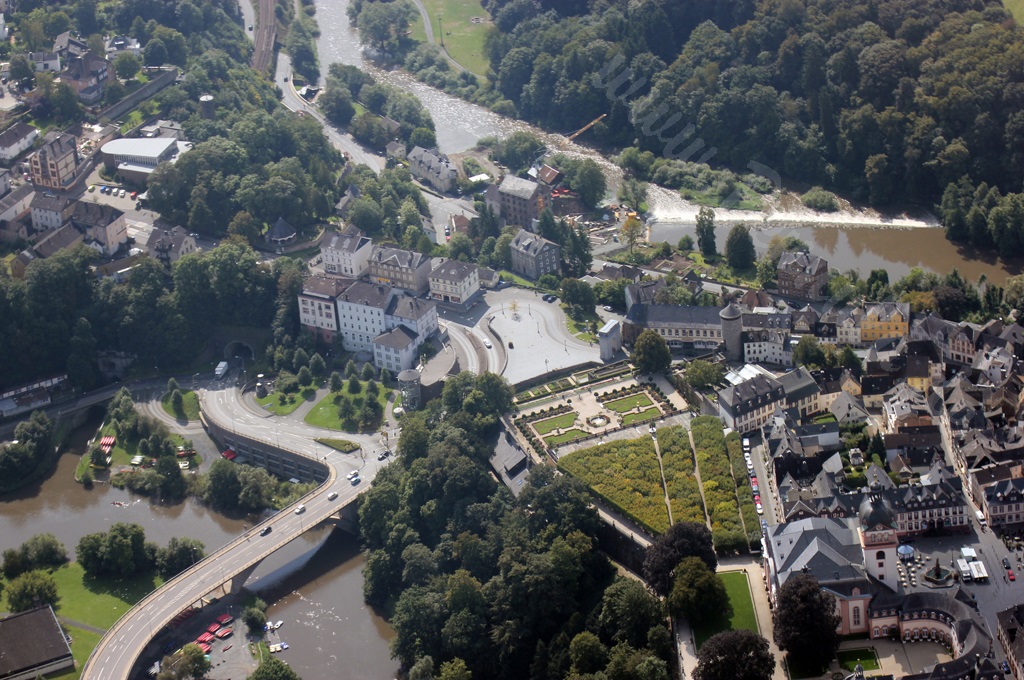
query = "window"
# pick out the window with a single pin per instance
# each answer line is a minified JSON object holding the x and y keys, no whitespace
{"x":856,"y":616}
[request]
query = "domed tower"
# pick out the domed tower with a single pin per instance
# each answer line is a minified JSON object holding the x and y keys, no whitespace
{"x":732,"y":331}
{"x":878,"y":538}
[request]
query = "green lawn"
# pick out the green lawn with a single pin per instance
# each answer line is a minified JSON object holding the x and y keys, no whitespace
{"x":122,"y":452}
{"x":742,"y":618}
{"x":567,"y":436}
{"x":1016,"y":8}
{"x":343,"y":445}
{"x":580,"y":328}
{"x":629,"y":403}
{"x":463,"y":39}
{"x":99,"y":602}
{"x":82,"y":644}
{"x":325,"y":413}
{"x":865,"y":656}
{"x":563,"y":421}
{"x":646,"y":414}
{"x":272,"y":402}
{"x":190,"y":405}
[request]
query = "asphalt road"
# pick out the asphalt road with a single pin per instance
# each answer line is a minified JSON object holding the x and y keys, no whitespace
{"x":222,"y":403}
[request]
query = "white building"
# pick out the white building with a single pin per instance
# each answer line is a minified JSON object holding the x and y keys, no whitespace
{"x":419,"y":316}
{"x":347,"y":253}
{"x":361,"y":312}
{"x":433,"y":167}
{"x":16,"y":139}
{"x":396,"y":350}
{"x":50,"y":210}
{"x":455,"y":282}
{"x":768,"y":347}
{"x":318,"y":309}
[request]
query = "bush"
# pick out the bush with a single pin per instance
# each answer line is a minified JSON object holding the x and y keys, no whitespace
{"x":820,"y":200}
{"x":287,"y":382}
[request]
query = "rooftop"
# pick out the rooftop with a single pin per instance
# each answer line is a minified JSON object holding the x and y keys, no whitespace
{"x":398,"y":338}
{"x":520,"y":188}
{"x":30,"y":640}
{"x":143,"y":147}
{"x":453,"y":271}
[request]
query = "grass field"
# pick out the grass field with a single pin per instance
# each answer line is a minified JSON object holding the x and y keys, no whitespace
{"x":121,"y":454}
{"x":463,"y":39}
{"x":865,"y":656}
{"x":272,"y":402}
{"x":563,"y":421}
{"x":82,"y":644}
{"x":189,"y":402}
{"x":99,"y":602}
{"x":343,"y":445}
{"x":1016,"y":8}
{"x":325,"y":413}
{"x":743,"y":617}
{"x":646,"y":414}
{"x":567,"y":436}
{"x":629,"y":403}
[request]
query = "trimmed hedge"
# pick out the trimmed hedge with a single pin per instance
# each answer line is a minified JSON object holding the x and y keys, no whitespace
{"x":719,"y":485}
{"x":625,"y":475}
{"x":677,"y":460}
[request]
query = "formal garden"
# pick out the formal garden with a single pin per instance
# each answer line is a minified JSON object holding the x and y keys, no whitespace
{"x":719,"y":485}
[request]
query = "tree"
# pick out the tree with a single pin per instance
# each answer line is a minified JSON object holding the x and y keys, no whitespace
{"x":179,"y":555}
{"x":172,"y":485}
{"x":172,"y":385}
{"x":697,"y":592}
{"x":460,"y":247}
{"x":335,"y":382}
{"x":739,"y":248}
{"x":628,"y":612}
{"x":372,"y":389}
{"x":354,"y":386}
{"x":254,"y":619}
{"x":193,"y":662}
{"x":735,"y":655}
{"x":368,"y":372}
{"x":336,"y":103}
{"x":455,"y":670}
{"x":589,"y":182}
{"x":305,"y":376}
{"x":683,"y":539}
{"x":651,"y":353}
{"x":685,"y":243}
{"x":30,"y":590}
{"x":806,"y":621}
{"x":633,"y":231}
{"x":127,"y":65}
{"x":587,"y":652}
{"x":177,"y":402}
{"x":272,"y":668}
{"x":706,"y":232}
{"x":633,"y":192}
{"x":21,"y":68}
{"x":808,"y":352}
{"x":317,"y":365}
{"x":351,"y":370}
{"x":155,"y":53}
{"x":703,"y":374}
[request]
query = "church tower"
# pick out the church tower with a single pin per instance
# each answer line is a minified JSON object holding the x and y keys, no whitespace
{"x":878,"y":538}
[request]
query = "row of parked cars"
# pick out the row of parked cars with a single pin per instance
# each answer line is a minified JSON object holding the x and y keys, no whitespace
{"x":755,"y":489}
{"x":114,"y":191}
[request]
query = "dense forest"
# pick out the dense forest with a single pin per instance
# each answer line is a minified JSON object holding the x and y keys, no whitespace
{"x":476,"y":580}
{"x":890,"y":103}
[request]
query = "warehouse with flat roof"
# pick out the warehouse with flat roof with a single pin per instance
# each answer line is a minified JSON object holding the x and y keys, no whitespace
{"x":32,"y":644}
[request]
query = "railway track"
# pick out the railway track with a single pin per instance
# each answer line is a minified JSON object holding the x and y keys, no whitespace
{"x":265,"y":35}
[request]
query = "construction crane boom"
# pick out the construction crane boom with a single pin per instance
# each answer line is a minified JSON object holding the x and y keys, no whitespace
{"x":585,"y":128}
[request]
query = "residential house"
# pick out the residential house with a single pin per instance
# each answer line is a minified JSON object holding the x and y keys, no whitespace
{"x":534,"y":256}
{"x":405,"y":269}
{"x":518,"y":201}
{"x":1003,"y":504}
{"x":361,"y":310}
{"x":416,"y":314}
{"x":370,"y":313}
{"x":87,"y":75}
{"x":120,"y":44}
{"x":395,"y":150}
{"x":50,"y":210}
{"x":433,"y":167}
{"x":805,"y":321}
{"x":684,"y":328}
{"x":801,"y":451}
{"x":801,"y":392}
{"x":55,"y":165}
{"x":170,"y":245}
{"x":67,"y":46}
{"x":956,"y":342}
{"x":15,"y":140}
{"x":848,"y":410}
{"x":396,"y":350}
{"x":833,"y":382}
{"x":549,"y":175}
{"x":755,"y":299}
{"x":344,"y":204}
{"x":488,"y":277}
{"x":318,"y":308}
{"x":768,"y":347}
{"x":848,"y":327}
{"x":346,"y":253}
{"x":58,"y":239}
{"x":16,"y":202}
{"x":454,"y":282}
{"x":644,"y":292}
{"x":802,"y":275}
{"x":1010,"y":631}
{"x":103,"y":225}
{"x":903,"y":407}
{"x":885,"y":320}
{"x":749,"y":405}
{"x":44,"y":61}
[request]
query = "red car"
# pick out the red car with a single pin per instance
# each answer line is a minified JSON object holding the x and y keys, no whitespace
{"x":753,"y":480}
{"x":1009,"y":574}
{"x":757,"y":499}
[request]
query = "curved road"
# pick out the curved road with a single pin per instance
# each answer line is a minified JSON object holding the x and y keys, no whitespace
{"x":121,"y":646}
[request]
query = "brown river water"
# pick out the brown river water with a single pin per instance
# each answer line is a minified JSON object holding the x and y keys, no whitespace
{"x":321,"y":601}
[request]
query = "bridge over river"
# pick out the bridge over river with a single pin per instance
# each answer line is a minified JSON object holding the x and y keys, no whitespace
{"x":284,"y":446}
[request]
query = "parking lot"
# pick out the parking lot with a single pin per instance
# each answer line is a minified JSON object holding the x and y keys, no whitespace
{"x":124,"y":204}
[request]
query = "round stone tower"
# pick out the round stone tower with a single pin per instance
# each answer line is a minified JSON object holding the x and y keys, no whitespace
{"x":732,"y":331}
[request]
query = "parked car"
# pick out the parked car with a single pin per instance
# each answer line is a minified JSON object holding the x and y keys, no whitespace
{"x":755,"y":488}
{"x":760,"y":509}
{"x":120,"y":194}
{"x":92,"y":188}
{"x":1010,"y":575}
{"x":607,"y":308}
{"x":134,"y":195}
{"x":265,"y":530}
{"x":1006,"y":563}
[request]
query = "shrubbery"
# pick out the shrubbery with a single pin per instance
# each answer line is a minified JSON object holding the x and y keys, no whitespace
{"x":719,"y":484}
{"x":821,"y":200}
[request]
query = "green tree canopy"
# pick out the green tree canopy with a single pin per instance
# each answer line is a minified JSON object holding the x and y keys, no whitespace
{"x":739,"y":248}
{"x":735,"y":655}
{"x":806,"y":621}
{"x":651,"y":353}
{"x":32,"y":589}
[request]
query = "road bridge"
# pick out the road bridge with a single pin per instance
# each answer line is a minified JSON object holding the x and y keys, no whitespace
{"x":284,"y":445}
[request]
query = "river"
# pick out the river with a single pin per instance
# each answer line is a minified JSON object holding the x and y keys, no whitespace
{"x":322,"y":600}
{"x":846,"y":246}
